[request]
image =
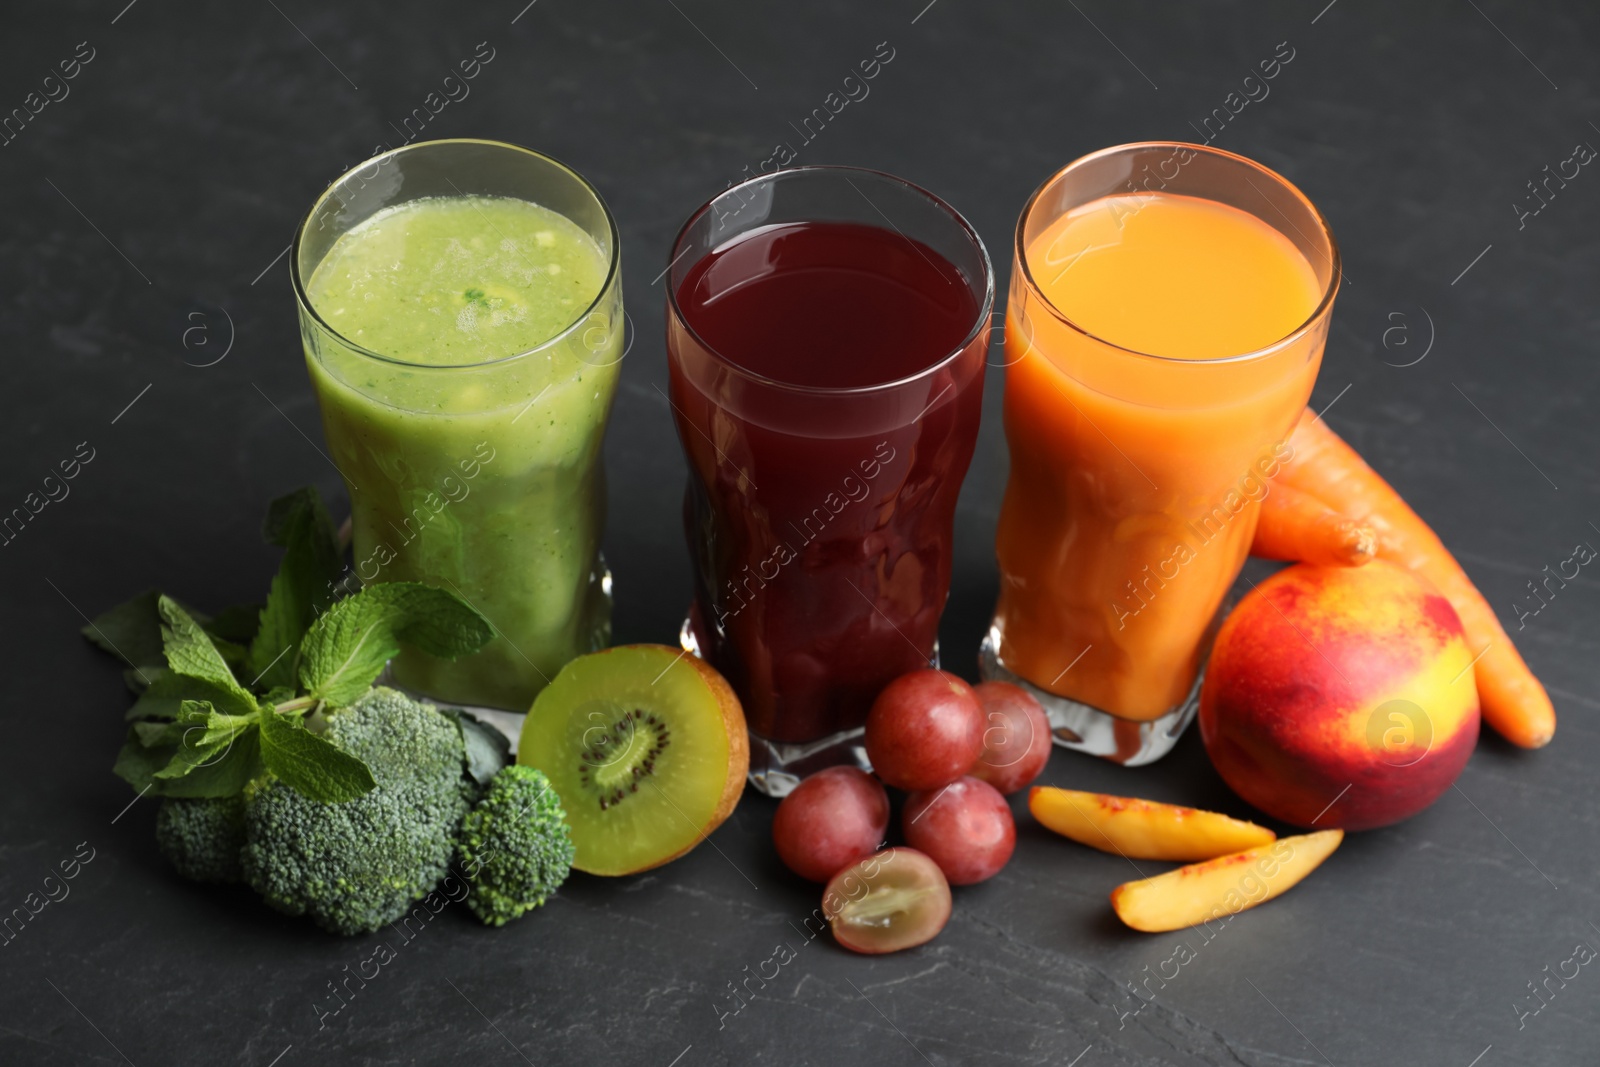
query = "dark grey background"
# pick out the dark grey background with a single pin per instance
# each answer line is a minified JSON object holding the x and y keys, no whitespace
{"x":156,"y":197}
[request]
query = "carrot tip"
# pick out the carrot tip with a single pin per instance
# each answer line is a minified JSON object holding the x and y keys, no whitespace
{"x":1363,"y":544}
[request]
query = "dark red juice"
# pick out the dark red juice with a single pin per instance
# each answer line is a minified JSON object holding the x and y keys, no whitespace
{"x":827,"y":382}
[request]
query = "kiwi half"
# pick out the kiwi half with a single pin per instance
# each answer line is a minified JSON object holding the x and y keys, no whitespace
{"x":646,"y":747}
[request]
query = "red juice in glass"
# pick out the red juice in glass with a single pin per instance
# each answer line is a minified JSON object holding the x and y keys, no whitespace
{"x":826,"y":366}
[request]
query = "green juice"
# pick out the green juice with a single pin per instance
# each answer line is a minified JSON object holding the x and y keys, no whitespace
{"x":472,"y":452}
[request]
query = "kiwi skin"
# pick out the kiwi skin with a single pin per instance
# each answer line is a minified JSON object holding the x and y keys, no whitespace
{"x":738,"y":748}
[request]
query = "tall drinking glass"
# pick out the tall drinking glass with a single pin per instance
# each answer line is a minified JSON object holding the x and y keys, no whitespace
{"x":826,"y":329}
{"x":461,"y":307}
{"x":1169,"y":305}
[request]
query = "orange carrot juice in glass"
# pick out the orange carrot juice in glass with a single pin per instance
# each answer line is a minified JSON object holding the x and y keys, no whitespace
{"x":1169,"y":305}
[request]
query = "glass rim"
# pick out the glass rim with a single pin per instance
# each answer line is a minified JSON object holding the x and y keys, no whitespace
{"x":614,"y":254}
{"x":985,"y":310}
{"x":1336,"y":263}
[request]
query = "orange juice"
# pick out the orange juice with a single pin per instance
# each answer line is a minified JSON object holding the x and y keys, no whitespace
{"x":1159,"y":348}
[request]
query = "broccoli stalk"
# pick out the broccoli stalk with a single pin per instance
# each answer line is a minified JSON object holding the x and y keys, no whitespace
{"x":514,"y":846}
{"x":357,"y":865}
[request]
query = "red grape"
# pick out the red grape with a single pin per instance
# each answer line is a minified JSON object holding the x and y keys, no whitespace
{"x":893,"y":900}
{"x":1016,"y":745}
{"x":832,"y":819}
{"x":925,"y":730}
{"x":965,"y":828}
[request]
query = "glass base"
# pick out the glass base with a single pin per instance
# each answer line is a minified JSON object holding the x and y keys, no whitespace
{"x":1084,"y":728}
{"x":776,"y":767}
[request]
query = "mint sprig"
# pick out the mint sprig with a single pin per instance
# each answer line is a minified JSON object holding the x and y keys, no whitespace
{"x":199,"y":731}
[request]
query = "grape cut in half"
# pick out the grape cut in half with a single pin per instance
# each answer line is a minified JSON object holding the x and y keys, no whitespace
{"x":646,"y":747}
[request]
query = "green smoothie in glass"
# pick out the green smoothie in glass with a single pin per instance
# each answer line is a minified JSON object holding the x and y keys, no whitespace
{"x":464,"y":350}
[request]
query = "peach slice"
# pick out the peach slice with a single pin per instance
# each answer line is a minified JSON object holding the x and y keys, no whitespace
{"x":1221,"y":887}
{"x":1143,"y":829}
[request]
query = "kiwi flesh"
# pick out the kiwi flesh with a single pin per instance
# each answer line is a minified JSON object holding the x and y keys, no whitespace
{"x":646,"y":746}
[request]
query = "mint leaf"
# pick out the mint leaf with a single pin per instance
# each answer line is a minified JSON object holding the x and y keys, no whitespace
{"x":286,"y":510}
{"x":488,"y":750}
{"x":301,"y":588}
{"x":138,"y":679}
{"x":432,"y":619}
{"x":186,"y":758}
{"x":190,"y":650}
{"x":218,"y":770}
{"x":167,"y":691}
{"x":310,"y":765}
{"x":270,"y":661}
{"x":131,"y":631}
{"x":203,"y":735}
{"x":138,"y":763}
{"x":203,"y":724}
{"x":156,"y":734}
{"x":237,"y":624}
{"x":347,"y":648}
{"x":223,"y":776}
{"x":233,"y":655}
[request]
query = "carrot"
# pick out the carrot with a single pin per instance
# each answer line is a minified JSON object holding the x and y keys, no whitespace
{"x":1324,"y":466}
{"x":1296,"y":525}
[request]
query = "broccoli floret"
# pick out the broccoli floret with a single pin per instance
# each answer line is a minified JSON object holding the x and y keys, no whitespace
{"x":357,"y":865}
{"x":202,"y":838}
{"x":514,"y":846}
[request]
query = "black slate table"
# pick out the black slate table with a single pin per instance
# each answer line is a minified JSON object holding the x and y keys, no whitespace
{"x":148,"y":322}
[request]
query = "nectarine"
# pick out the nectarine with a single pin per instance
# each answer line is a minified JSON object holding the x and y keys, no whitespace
{"x":1340,"y":696}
